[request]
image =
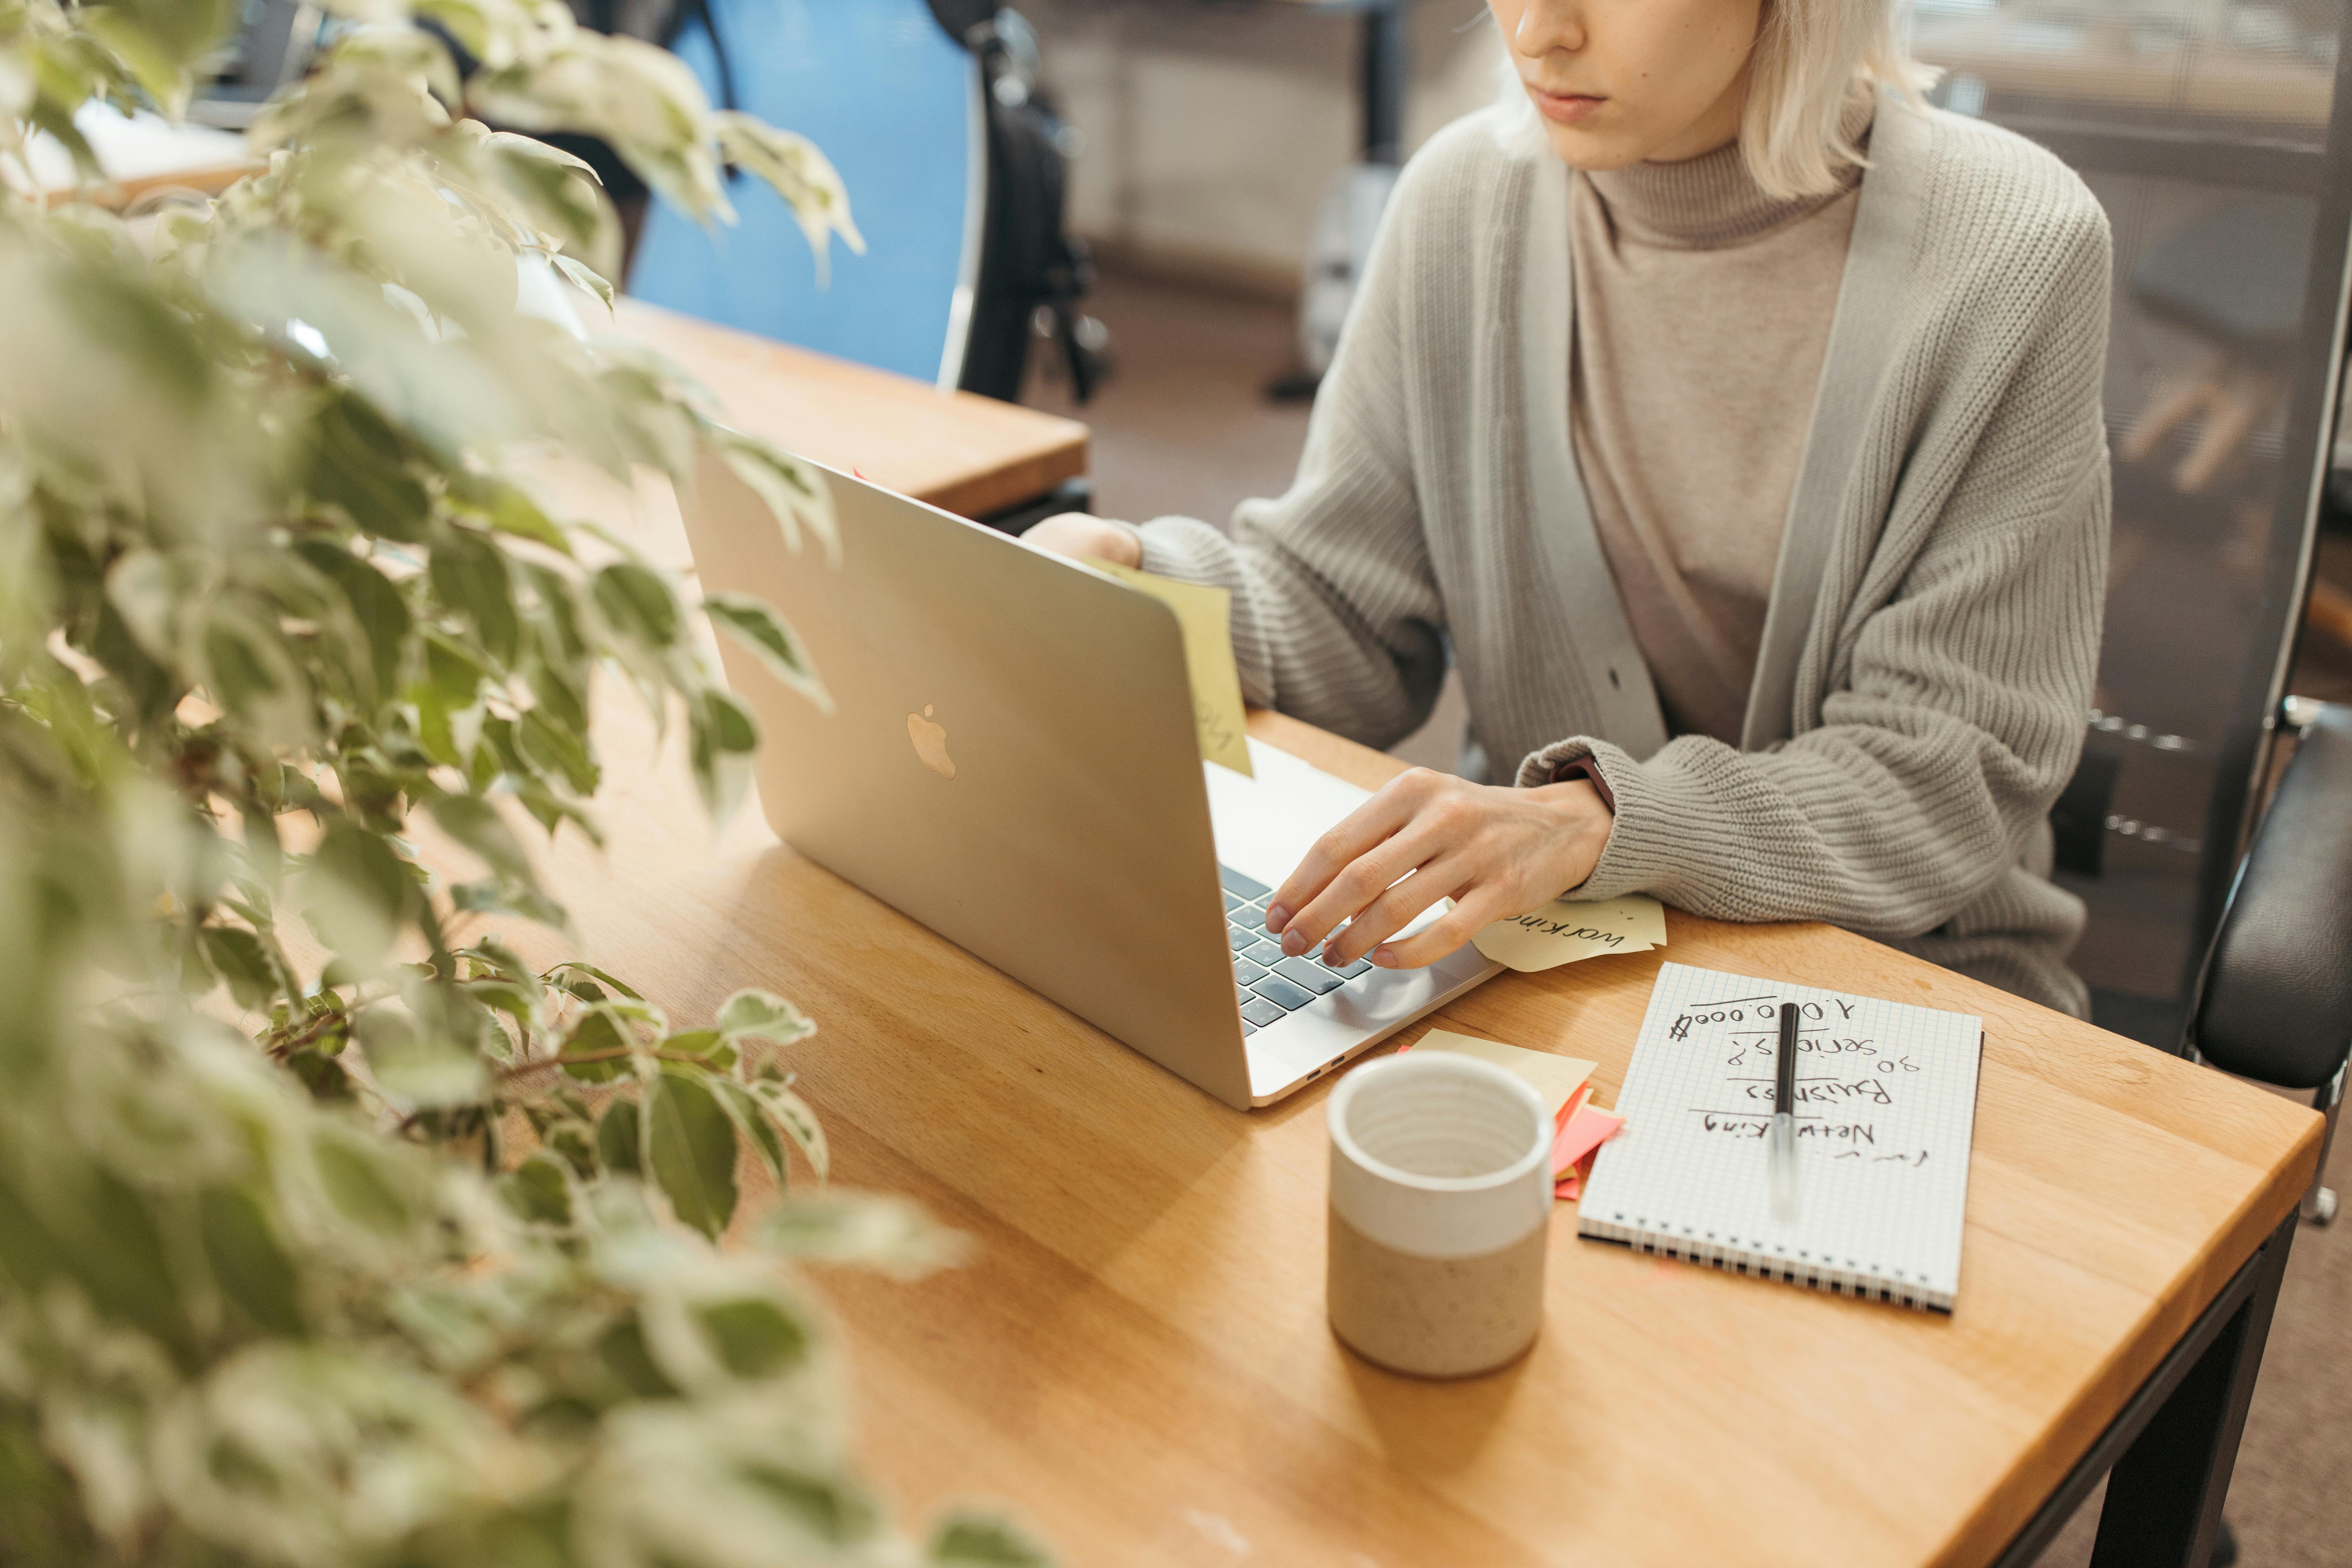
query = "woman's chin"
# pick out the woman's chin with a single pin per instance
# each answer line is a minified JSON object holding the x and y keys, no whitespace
{"x":1592,"y":149}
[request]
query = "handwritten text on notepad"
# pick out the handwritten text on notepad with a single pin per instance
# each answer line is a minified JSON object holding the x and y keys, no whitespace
{"x":1843,"y":1075}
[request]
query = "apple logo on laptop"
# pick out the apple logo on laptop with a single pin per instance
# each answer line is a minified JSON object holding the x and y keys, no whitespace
{"x":931,"y":742}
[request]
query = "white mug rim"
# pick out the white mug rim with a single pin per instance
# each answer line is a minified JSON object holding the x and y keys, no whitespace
{"x":1439,"y":1064}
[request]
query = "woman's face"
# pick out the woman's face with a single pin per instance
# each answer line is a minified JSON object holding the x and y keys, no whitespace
{"x":1618,"y":81}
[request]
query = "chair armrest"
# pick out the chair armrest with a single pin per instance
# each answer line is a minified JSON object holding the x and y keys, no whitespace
{"x":2277,"y":998}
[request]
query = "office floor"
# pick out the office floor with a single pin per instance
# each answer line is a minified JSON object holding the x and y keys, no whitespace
{"x":1183,"y":428}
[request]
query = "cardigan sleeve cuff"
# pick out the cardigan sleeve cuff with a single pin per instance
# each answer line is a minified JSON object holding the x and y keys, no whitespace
{"x":1643,"y":847}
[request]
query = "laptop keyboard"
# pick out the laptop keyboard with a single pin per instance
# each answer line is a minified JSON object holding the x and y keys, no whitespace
{"x":1270,"y":986}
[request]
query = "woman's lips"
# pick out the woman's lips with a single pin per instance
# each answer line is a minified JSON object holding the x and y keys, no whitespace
{"x":1566,"y":108}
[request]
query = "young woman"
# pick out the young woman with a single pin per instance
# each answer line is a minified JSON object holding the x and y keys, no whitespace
{"x":1732,"y":420}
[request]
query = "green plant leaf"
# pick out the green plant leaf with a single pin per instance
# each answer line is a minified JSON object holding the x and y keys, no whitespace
{"x":557,"y":749}
{"x":357,"y":894}
{"x":251,"y":1268}
{"x":360,"y":1192}
{"x":794,"y":168}
{"x":690,"y":1144}
{"x":623,"y":1350}
{"x":586,"y":277}
{"x":469,"y":574}
{"x":865,"y":1230}
{"x":376,"y":603}
{"x":429,"y":1066}
{"x":755,"y":1339}
{"x":573,"y":967}
{"x":795,"y":494}
{"x":771,"y":638}
{"x":239,"y":958}
{"x":764,"y":1016}
{"x":250,"y":672}
{"x":576,"y":1145}
{"x":753,"y":1124}
{"x":493,"y":954}
{"x":476,"y":823}
{"x":618,"y":1138}
{"x":359,"y":464}
{"x":457,"y":676}
{"x":158,"y":70}
{"x":721,"y":735}
{"x":511,"y":512}
{"x":708,"y":1043}
{"x":594,"y":1032}
{"x":538,"y":1191}
{"x":823,"y":1505}
{"x":791,"y":1113}
{"x":638,"y":604}
{"x":970,"y":1539}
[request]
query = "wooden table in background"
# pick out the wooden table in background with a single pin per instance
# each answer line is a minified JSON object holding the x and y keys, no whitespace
{"x":1137,"y":1358}
{"x":142,"y":154}
{"x":963,"y":453}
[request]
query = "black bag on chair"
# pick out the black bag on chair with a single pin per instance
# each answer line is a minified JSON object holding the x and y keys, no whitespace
{"x":1030,"y":262}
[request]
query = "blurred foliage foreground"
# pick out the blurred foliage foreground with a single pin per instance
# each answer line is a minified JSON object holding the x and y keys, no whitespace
{"x":266,"y":588}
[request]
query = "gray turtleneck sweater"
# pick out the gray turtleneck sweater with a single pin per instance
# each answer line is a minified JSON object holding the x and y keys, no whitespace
{"x":1930,"y":633}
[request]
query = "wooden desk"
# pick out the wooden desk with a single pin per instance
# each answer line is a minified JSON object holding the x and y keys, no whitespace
{"x":965,"y":454}
{"x":141,"y":154}
{"x":1137,"y":1358}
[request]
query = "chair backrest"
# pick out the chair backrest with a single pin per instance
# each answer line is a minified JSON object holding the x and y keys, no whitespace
{"x":2219,"y":138}
{"x":895,"y":102}
{"x":2276,"y":1003}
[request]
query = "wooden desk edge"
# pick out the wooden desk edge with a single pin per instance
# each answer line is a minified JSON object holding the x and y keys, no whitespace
{"x":1984,"y":1534}
{"x":207,"y":180}
{"x":1060,"y":449}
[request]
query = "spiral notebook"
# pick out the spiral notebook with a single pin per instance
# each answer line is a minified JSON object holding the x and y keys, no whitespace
{"x":1886,"y":1111}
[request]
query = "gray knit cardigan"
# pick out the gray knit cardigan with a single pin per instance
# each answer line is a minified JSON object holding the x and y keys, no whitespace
{"x":1932,"y":637}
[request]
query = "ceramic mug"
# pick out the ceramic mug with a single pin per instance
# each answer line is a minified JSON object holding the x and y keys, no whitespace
{"x":1440,"y":1206}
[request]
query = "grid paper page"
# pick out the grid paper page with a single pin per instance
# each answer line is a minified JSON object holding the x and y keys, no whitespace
{"x":1885,"y":1108}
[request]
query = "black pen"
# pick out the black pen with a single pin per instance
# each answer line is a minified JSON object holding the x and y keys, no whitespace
{"x":1784,"y":1116}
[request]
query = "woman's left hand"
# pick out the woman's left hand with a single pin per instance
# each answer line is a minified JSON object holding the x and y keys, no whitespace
{"x":1496,"y":852}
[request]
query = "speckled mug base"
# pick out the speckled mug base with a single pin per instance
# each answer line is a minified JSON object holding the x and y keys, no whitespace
{"x":1434,"y":1317}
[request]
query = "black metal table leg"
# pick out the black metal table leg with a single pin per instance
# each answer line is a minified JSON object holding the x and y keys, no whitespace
{"x":2165,"y":1495}
{"x":2167,"y":1454}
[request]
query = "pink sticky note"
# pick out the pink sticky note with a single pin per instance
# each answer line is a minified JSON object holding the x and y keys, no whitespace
{"x":1586,"y":1130}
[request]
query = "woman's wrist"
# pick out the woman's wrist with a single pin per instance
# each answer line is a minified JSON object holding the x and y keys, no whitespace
{"x":1582,"y":811}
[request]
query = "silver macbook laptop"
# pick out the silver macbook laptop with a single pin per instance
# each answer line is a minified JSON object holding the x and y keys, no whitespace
{"x":1010,"y":759}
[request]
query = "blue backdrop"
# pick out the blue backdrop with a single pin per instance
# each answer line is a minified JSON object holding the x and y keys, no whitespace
{"x":890,"y":98}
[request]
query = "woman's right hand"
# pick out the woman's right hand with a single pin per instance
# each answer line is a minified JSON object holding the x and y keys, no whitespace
{"x":1084,"y":538}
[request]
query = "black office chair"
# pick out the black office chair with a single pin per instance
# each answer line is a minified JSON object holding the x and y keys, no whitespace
{"x":2275,"y":1002}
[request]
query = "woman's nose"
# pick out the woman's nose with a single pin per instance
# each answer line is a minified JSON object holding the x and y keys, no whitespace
{"x":1547,"y":27}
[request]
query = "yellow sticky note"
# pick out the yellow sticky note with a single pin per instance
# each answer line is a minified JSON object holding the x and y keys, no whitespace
{"x":1553,"y":1077}
{"x":1205,"y":615}
{"x":1563,"y":932}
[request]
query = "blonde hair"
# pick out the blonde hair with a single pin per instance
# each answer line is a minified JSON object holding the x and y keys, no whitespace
{"x":1813,"y":60}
